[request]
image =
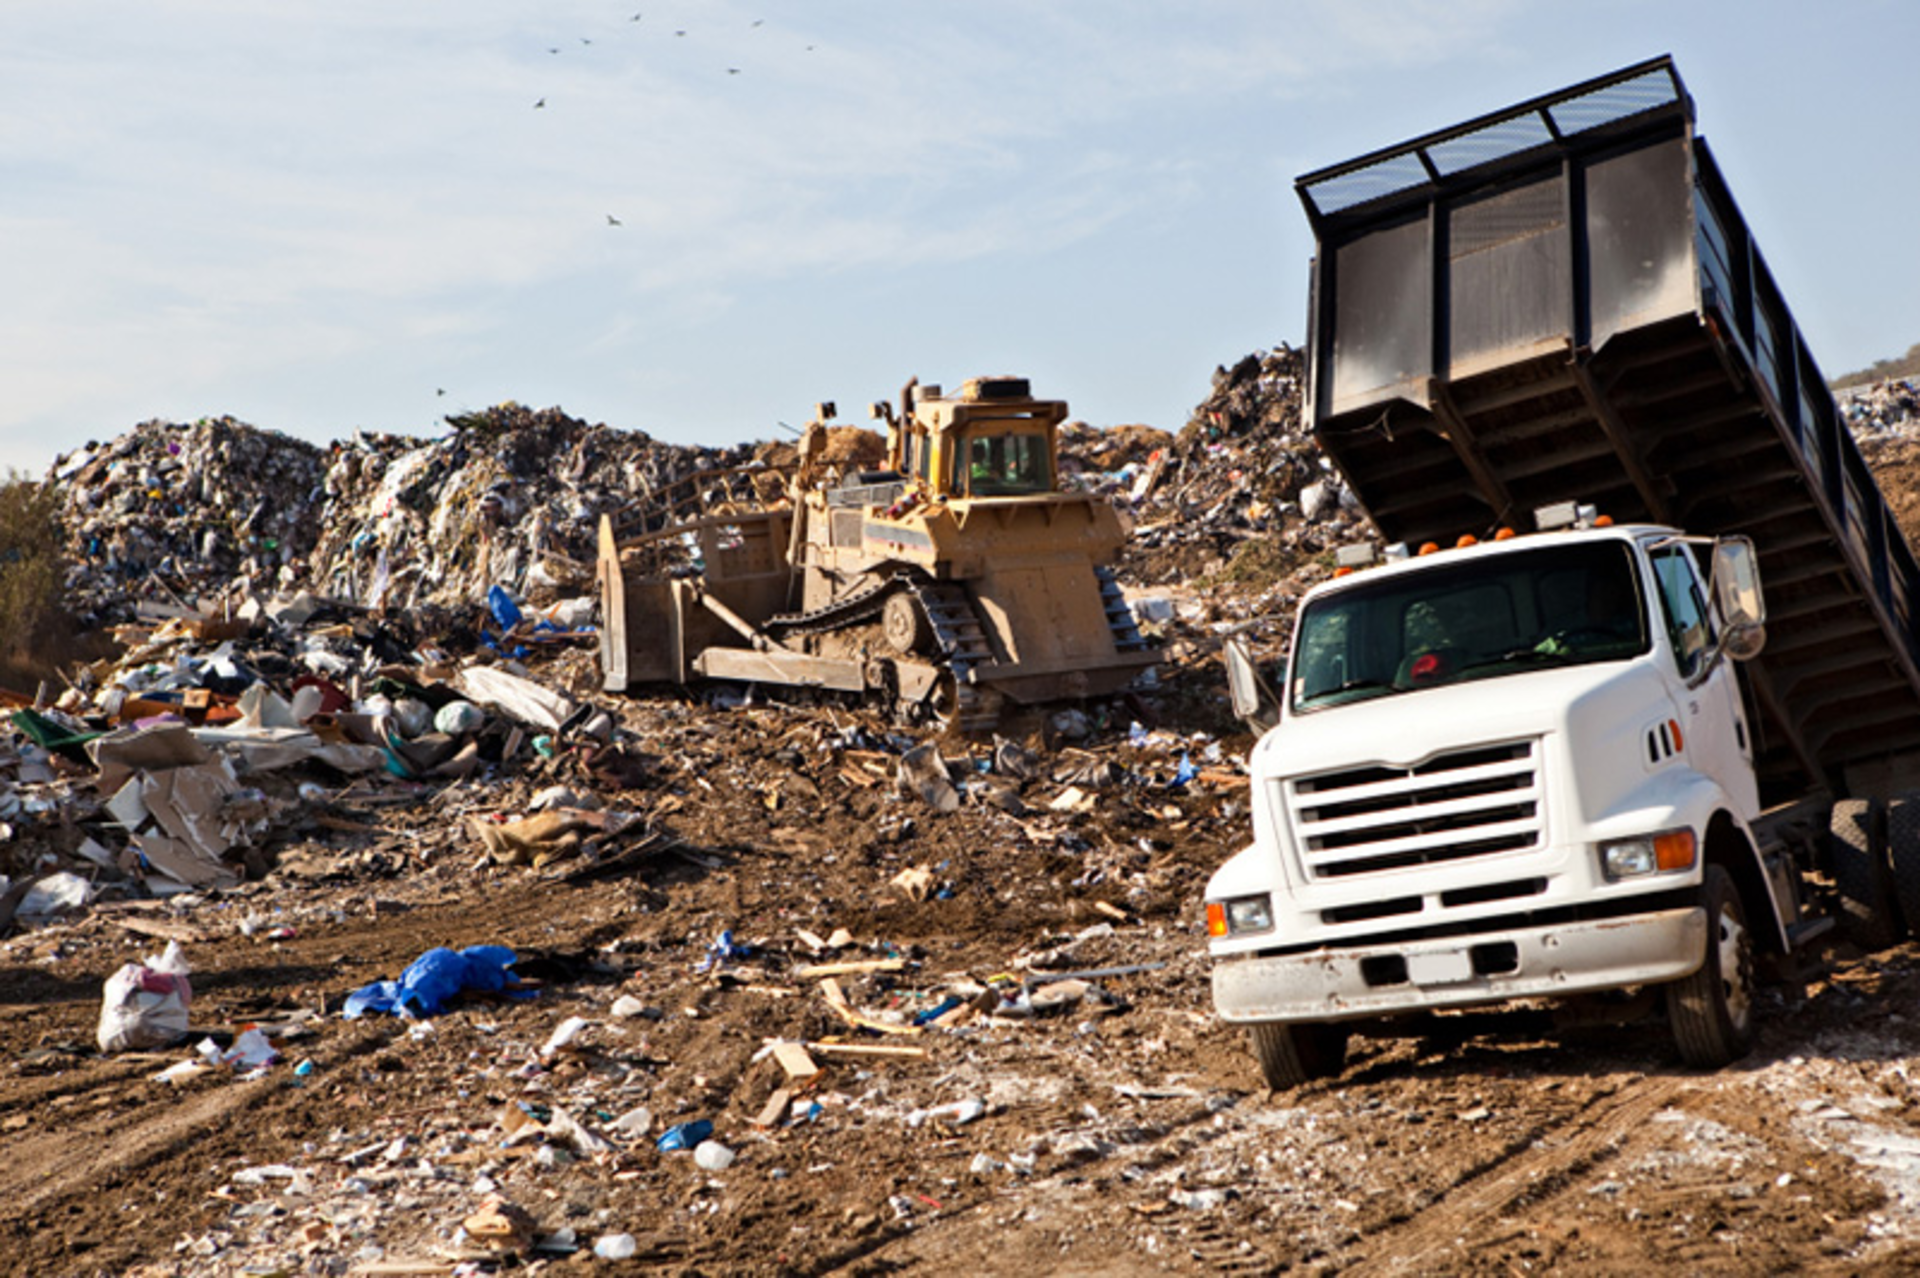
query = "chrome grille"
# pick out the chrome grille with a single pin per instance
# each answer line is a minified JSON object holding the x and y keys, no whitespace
{"x":1466,"y":803}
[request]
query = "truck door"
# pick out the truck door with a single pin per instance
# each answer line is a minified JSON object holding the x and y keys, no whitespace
{"x":1718,"y":741}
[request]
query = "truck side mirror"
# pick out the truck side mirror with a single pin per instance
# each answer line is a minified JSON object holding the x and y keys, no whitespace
{"x":1736,"y":588}
{"x":1253,"y":701}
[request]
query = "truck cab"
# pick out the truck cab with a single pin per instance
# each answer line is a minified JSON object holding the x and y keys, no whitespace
{"x":1502,"y":771}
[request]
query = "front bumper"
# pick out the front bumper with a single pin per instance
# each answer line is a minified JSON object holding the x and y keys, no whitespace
{"x":1539,"y":962}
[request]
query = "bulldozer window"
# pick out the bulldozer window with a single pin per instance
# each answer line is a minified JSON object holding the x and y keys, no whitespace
{"x":1007,"y":465}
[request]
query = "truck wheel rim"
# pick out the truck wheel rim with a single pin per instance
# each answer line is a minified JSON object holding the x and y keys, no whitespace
{"x":1735,"y":982}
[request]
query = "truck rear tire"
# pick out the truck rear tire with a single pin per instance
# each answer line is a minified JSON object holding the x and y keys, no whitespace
{"x":1903,"y":856}
{"x":1857,"y":846}
{"x":1292,"y":1053}
{"x":1711,"y":1012}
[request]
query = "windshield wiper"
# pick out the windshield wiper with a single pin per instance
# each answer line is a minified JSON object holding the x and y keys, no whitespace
{"x":1529,"y":655}
{"x":1351,"y":685}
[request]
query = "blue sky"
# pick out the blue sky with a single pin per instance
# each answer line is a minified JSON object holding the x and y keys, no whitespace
{"x":320,"y":216}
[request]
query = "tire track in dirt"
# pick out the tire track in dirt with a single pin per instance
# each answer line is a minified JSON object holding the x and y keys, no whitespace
{"x":48,"y":1167}
{"x":77,"y":1145}
{"x":1481,"y":1203}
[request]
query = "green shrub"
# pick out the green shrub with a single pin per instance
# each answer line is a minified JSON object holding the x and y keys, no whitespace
{"x":32,"y":572}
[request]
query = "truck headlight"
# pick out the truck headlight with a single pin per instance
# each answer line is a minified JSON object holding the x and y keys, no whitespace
{"x":1647,"y":854}
{"x":1240,"y":914}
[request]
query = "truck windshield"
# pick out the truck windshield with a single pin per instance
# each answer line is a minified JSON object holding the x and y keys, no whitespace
{"x":1478,"y":618}
{"x":1005,"y":465}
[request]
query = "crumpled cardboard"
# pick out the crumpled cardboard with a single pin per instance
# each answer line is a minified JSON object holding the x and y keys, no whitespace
{"x":169,"y":792}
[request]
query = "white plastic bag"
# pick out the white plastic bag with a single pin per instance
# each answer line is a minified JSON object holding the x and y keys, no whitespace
{"x":144,"y":1004}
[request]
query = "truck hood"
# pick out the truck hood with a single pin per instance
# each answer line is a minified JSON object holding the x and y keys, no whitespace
{"x":1407,"y":728}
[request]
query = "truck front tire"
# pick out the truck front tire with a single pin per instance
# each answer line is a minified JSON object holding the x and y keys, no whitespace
{"x":1293,"y":1053}
{"x":1711,"y":1012}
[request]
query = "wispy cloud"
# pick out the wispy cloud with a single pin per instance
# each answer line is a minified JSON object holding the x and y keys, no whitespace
{"x":209,"y":198}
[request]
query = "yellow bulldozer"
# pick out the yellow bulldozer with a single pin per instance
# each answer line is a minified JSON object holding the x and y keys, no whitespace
{"x":959,"y":576}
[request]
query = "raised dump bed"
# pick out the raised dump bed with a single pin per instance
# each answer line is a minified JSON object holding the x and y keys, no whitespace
{"x":1561,"y":301}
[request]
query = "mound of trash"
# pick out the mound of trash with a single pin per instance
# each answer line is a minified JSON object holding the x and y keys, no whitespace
{"x":211,"y":513}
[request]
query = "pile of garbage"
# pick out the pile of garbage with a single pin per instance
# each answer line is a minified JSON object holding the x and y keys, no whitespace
{"x":211,"y":514}
{"x":182,"y":765}
{"x":1881,"y":409}
{"x":173,"y":508}
{"x":1243,"y":478}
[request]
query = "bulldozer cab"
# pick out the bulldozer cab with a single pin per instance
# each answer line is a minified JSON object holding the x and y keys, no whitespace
{"x":992,"y":439}
{"x":1003,"y":463}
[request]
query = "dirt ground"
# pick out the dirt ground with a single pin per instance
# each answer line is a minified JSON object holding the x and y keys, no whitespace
{"x":1122,"y":1132}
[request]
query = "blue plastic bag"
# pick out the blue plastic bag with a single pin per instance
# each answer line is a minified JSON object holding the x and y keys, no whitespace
{"x":435,"y":979}
{"x":504,"y":610}
{"x":684,"y":1135}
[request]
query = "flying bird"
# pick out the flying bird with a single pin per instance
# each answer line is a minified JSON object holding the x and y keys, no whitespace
{"x":542,"y":102}
{"x":614,"y":221}
{"x":733,"y":70}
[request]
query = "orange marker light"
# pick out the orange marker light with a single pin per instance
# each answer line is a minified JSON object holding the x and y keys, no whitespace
{"x":1216,"y":918}
{"x":1673,"y":725}
{"x":1505,"y":534}
{"x":1429,"y":549}
{"x":1674,"y":850}
{"x":1466,"y":539}
{"x":1343,"y":572}
{"x":1603,"y":521}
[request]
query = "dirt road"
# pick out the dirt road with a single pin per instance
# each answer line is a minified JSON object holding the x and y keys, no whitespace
{"x":1123,"y":1132}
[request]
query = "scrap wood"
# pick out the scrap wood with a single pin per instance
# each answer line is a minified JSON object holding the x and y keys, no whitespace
{"x":1111,"y":910}
{"x":161,"y":928}
{"x":345,"y":826}
{"x":627,"y":858}
{"x":834,"y":1047}
{"x":837,"y":1000}
{"x":727,"y":980}
{"x":775,"y":1109}
{"x":852,"y":967}
{"x":793,"y":1058}
{"x":960,"y":1015}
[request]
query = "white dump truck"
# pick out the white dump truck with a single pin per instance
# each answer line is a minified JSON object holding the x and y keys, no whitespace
{"x":1552,"y":750}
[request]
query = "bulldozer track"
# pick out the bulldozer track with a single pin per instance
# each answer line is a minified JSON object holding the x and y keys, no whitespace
{"x":958,"y":634}
{"x":1126,"y":629}
{"x":862,"y":605}
{"x":963,"y":643}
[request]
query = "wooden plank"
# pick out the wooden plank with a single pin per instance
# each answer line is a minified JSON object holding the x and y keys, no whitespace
{"x":852,"y":967}
{"x":775,"y":1110}
{"x":793,"y":1058}
{"x":837,"y":1000}
{"x":164,"y":930}
{"x":829,"y":1047}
